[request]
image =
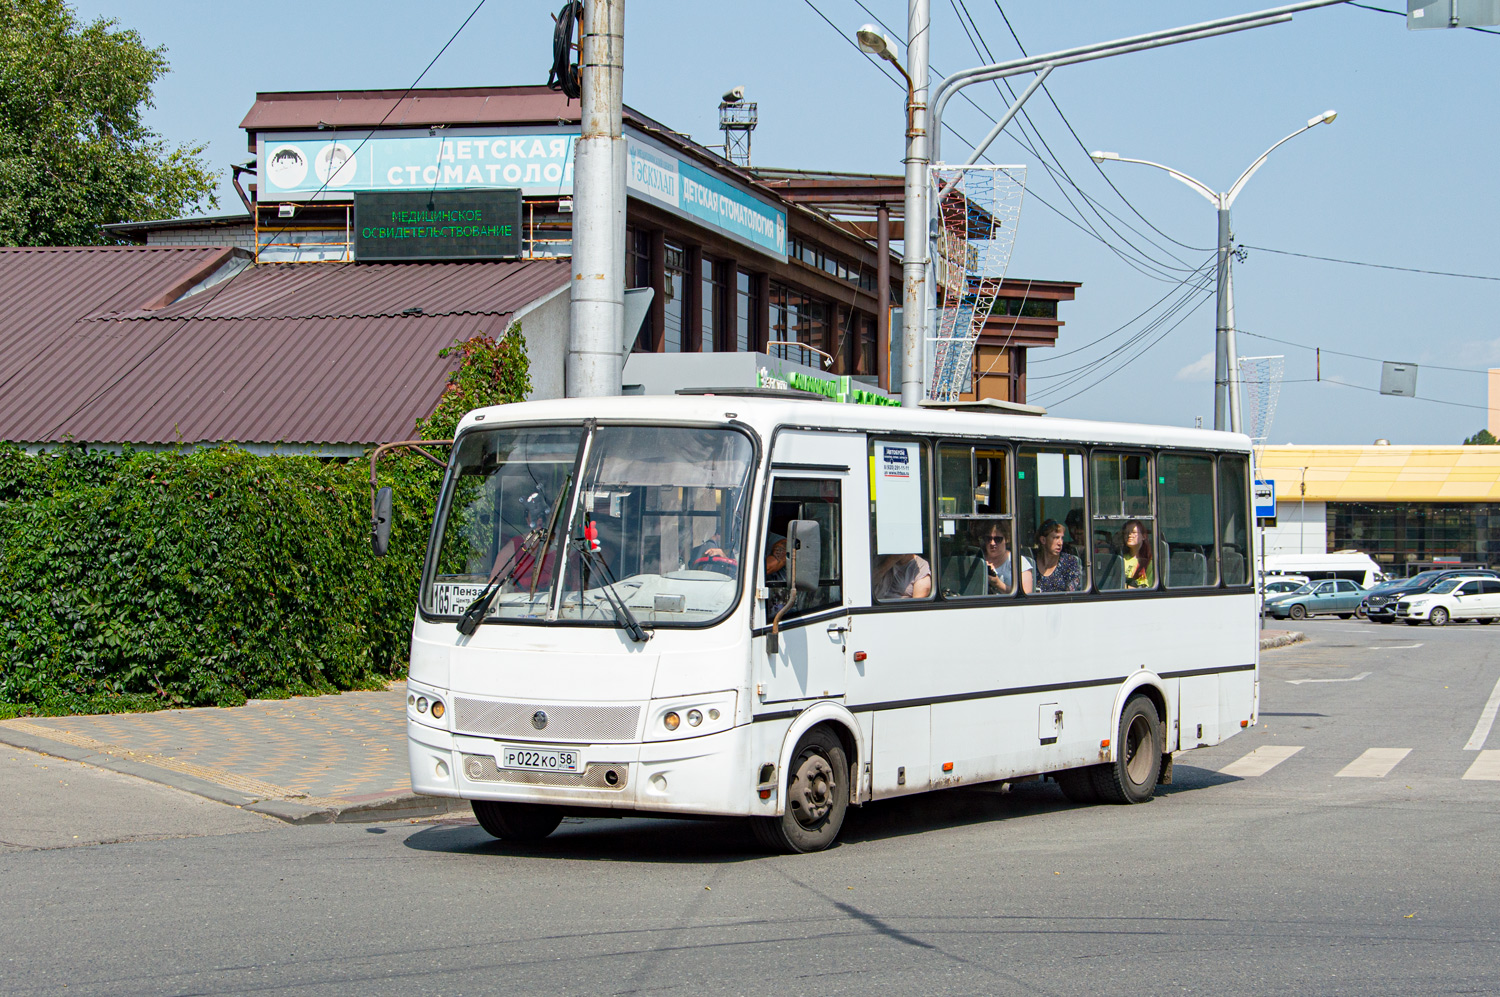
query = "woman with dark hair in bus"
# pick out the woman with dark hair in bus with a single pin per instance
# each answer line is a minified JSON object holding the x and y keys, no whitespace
{"x":1056,"y":569}
{"x":1135,"y":556}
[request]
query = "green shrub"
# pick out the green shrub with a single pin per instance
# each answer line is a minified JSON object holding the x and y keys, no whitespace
{"x":208,"y":576}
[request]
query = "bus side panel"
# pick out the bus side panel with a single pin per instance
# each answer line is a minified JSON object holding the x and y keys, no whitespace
{"x":1198,"y":708}
{"x":902,"y":751}
{"x":1236,"y":701}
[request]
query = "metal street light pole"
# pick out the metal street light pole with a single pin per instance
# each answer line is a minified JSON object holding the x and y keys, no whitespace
{"x":1226,"y":363}
{"x":914,"y":216}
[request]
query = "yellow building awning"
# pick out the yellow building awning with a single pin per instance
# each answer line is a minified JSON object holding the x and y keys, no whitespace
{"x":1382,"y":473}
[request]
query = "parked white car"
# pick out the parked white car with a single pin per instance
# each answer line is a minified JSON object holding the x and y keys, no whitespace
{"x":1282,"y":584}
{"x":1453,"y":599}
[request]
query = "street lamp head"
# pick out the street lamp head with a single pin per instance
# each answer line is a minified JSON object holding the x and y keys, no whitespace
{"x":872,"y":42}
{"x":1326,"y":118}
{"x":1100,"y":157}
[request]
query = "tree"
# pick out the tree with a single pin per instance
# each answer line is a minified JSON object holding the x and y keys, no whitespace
{"x":490,"y":372}
{"x":74,"y":152}
{"x":1483,"y":438}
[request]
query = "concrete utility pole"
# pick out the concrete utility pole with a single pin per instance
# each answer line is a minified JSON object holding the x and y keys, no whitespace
{"x":596,"y":310}
{"x":914,"y":241}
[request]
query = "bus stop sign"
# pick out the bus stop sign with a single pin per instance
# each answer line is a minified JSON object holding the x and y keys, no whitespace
{"x":1264,"y":493}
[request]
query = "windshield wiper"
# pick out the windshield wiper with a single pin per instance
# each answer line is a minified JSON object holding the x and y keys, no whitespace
{"x":623,"y":616}
{"x":536,"y":543}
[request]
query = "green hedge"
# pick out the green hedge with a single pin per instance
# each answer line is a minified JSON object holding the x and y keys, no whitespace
{"x":197,"y":578}
{"x":141,"y":580}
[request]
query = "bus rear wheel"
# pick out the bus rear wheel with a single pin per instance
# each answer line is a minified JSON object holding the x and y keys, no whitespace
{"x":516,"y":821}
{"x":1131,"y":777}
{"x":817,"y":797}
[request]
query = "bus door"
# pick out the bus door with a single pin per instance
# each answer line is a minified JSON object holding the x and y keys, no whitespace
{"x":814,"y":476}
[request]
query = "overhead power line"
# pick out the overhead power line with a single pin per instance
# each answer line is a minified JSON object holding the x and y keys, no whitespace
{"x":1355,"y":356}
{"x":1377,"y":266}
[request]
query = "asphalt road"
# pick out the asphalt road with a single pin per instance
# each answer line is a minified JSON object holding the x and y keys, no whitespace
{"x":1298,"y":879}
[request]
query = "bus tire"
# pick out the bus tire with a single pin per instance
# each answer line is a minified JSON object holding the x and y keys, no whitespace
{"x":817,"y":797}
{"x":1131,"y":777}
{"x":1077,"y":785}
{"x":517,"y":821}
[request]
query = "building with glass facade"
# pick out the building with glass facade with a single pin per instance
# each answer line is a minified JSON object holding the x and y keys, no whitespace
{"x":1405,"y":506}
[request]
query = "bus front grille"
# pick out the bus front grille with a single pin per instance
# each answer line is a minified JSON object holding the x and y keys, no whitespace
{"x":545,"y":722}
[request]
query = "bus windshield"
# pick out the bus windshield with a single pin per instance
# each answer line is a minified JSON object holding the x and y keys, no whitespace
{"x":664,"y":508}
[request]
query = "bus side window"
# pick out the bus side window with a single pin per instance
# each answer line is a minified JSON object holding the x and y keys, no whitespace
{"x":820,"y":501}
{"x":976,"y":542}
{"x":1234,"y":520}
{"x":1185,"y":507}
{"x":1124,"y":530}
{"x":900,"y":527}
{"x":1049,"y":493}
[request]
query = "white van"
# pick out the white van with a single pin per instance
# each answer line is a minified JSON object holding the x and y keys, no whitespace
{"x":1361,"y":569}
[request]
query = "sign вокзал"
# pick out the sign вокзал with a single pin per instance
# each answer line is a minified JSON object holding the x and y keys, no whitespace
{"x":437,"y":225}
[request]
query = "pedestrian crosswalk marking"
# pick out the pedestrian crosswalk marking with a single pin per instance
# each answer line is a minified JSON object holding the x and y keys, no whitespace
{"x":1486,"y":766}
{"x":1375,"y":763}
{"x":1260,"y":761}
{"x":1486,"y":721}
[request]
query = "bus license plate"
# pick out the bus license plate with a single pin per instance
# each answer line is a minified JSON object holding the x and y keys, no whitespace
{"x":539,"y":759}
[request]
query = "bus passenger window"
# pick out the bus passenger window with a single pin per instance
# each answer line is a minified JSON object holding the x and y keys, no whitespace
{"x":804,"y":498}
{"x":1049,"y":510}
{"x":1234,"y":520}
{"x":975,"y":527}
{"x":901,"y":567}
{"x":1185,"y":505}
{"x":1124,"y":531}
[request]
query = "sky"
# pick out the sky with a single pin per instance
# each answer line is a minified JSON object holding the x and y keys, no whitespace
{"x":1405,"y":177}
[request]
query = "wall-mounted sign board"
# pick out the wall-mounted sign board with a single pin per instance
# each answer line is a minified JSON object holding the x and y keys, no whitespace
{"x":437,"y":225}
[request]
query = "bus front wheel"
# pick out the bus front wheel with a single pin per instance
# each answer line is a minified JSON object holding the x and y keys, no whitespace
{"x":817,"y":796}
{"x":516,"y":821}
{"x":1131,"y":777}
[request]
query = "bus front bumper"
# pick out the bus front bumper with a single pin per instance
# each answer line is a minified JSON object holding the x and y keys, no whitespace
{"x":710,"y":774}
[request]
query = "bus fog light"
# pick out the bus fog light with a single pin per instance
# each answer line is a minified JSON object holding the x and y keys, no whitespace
{"x":437,"y":709}
{"x":422,"y":704}
{"x":713,"y":714}
{"x":611,"y":778}
{"x":694,"y":718}
{"x":670,"y":721}
{"x":411,"y":700}
{"x":441,"y":769}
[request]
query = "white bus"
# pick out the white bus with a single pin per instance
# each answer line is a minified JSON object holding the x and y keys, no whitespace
{"x":607,"y":625}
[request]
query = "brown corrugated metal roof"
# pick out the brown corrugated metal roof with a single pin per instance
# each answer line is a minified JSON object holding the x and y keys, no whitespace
{"x":289,"y":353}
{"x":408,"y":108}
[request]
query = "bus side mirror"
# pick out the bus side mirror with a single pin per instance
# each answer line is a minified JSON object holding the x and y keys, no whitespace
{"x":380,"y":521}
{"x":804,"y":554}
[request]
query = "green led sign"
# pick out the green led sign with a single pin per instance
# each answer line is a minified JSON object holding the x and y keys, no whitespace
{"x":437,"y":225}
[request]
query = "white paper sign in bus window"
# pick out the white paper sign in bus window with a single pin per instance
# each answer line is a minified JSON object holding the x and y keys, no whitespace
{"x":897,"y":480}
{"x":1057,"y":479}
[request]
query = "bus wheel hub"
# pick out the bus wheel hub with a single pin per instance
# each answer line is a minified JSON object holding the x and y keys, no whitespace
{"x":812,"y":795}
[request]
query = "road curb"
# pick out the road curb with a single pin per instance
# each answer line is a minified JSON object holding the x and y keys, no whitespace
{"x":400,"y":805}
{"x":1282,"y":639}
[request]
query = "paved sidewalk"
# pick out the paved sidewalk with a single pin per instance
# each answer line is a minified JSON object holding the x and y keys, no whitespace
{"x":306,"y":759}
{"x":311,"y":759}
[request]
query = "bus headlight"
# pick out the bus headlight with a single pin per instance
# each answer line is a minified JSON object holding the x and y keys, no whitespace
{"x":691,"y":716}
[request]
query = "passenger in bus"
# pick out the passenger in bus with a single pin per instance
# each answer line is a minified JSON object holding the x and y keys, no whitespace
{"x":1077,"y":541}
{"x":1056,"y":569}
{"x":523,"y":563}
{"x":902,"y":576}
{"x":991,"y":539}
{"x":1135,"y":556}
